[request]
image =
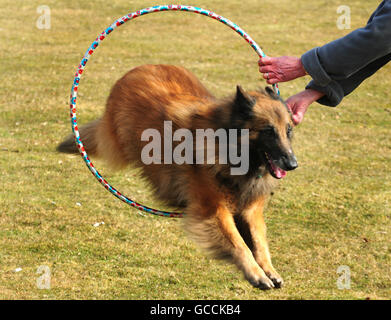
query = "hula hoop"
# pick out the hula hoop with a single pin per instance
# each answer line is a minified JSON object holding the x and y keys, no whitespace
{"x":87,"y":56}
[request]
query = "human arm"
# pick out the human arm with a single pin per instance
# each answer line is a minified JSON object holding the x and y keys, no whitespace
{"x":300,"y":102}
{"x":336,"y":90}
{"x":281,"y":69}
{"x":341,"y":58}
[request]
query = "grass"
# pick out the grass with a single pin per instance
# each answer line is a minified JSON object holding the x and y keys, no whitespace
{"x":333,"y":210}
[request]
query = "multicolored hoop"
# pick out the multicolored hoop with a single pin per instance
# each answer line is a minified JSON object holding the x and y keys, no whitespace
{"x":87,"y":56}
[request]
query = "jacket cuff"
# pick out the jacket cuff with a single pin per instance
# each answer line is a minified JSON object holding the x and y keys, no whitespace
{"x":333,"y":93}
{"x":314,"y":68}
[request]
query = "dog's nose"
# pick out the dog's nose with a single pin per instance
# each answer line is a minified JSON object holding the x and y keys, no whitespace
{"x":290,"y":162}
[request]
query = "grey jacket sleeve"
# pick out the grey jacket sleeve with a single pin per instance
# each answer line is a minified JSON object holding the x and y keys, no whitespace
{"x":338,"y":67}
{"x":336,"y":90}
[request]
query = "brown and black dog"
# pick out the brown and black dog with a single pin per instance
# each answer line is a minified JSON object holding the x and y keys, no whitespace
{"x":224,"y":212}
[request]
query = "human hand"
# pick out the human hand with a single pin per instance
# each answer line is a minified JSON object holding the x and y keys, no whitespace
{"x":300,"y":102}
{"x":281,"y":69}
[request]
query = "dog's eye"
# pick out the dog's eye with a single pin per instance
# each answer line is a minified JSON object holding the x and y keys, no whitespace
{"x":269,"y":130}
{"x":289,"y":131}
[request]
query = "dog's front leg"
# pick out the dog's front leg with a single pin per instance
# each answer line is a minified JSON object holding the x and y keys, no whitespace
{"x":211,"y":224}
{"x":240,"y":252}
{"x":253,"y":218}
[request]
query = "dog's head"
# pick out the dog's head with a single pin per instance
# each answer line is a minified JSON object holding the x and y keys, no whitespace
{"x":270,"y":126}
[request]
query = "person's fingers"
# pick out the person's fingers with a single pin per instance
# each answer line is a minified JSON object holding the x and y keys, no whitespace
{"x":272,"y":81}
{"x":294,"y":107}
{"x":298,"y":111}
{"x":270,"y":78}
{"x":297,"y":118}
{"x":265,"y":69}
{"x":289,"y":106}
{"x":300,"y":102}
{"x":265,"y":61}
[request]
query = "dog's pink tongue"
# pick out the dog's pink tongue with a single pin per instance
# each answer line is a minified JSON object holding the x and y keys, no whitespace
{"x":280,"y":173}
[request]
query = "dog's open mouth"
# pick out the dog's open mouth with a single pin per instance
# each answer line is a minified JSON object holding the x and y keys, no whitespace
{"x":274,"y":170}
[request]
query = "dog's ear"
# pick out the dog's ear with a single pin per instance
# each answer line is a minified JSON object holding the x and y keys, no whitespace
{"x":275,"y":96}
{"x":271,"y":93}
{"x":243,"y":104}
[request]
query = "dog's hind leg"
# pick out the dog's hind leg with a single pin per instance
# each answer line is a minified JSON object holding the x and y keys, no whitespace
{"x":252,"y":219}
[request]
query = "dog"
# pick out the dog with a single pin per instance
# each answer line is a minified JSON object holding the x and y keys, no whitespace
{"x":223,"y":212}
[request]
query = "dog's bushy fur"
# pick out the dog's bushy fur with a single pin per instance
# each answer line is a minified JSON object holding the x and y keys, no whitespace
{"x":224,"y":213}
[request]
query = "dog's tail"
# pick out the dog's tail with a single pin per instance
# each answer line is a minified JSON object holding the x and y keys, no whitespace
{"x":88,"y":135}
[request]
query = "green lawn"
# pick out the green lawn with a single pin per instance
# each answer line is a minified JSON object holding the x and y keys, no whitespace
{"x":334,"y":210}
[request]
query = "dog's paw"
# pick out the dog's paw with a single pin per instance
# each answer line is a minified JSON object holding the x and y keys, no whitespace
{"x":276,"y":279}
{"x":263,"y":283}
